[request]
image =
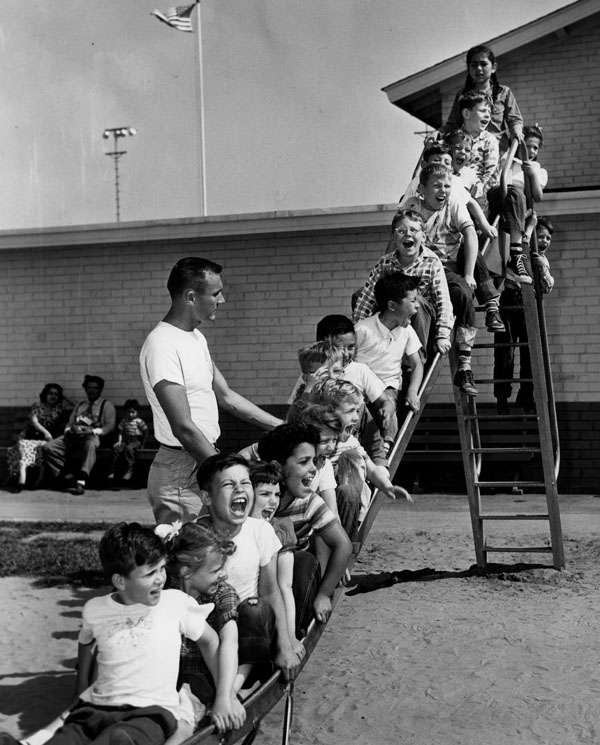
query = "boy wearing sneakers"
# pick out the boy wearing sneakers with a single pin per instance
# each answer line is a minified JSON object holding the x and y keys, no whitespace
{"x":511,"y":301}
{"x":137,"y":630}
{"x":513,"y":211}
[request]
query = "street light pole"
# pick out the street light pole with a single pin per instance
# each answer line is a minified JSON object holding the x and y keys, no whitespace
{"x":117,"y":132}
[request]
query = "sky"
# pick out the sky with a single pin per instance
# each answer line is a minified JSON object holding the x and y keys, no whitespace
{"x":294,"y":113}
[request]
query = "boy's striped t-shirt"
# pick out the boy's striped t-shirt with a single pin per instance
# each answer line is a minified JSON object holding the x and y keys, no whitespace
{"x":308,"y":514}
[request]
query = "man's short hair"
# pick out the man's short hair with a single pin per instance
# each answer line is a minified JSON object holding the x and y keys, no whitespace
{"x":280,"y":443}
{"x":190,"y":273}
{"x":333,"y":325}
{"x":93,"y":379}
{"x":393,"y":286}
{"x":433,"y":170}
{"x":209,"y":468}
{"x":126,"y":546}
{"x":471,"y":99}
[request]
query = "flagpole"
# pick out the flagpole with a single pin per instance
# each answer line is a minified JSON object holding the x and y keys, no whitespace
{"x":200,"y":93}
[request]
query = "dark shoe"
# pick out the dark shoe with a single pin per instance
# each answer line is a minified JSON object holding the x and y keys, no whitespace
{"x":493,"y":322}
{"x":502,"y":406}
{"x":463,"y":380}
{"x":526,"y":403}
{"x":517,"y":271}
{"x":78,"y":489}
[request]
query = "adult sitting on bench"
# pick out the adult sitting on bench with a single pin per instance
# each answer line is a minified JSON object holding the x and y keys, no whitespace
{"x":90,"y":420}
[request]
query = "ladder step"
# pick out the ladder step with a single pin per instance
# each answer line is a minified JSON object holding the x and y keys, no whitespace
{"x":503,"y":451}
{"x":518,"y":549}
{"x":494,"y":345}
{"x":496,"y":417}
{"x":504,"y":380}
{"x":510,"y":484}
{"x":516,"y":516}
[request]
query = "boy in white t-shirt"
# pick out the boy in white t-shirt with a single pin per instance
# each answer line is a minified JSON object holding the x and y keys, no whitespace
{"x":227,"y":493}
{"x":137,"y":630}
{"x":386,"y":340}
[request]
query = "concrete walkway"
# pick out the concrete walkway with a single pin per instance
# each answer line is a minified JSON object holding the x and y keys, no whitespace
{"x":94,"y":506}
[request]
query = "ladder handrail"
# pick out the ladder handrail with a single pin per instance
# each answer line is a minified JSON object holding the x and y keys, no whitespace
{"x":539,"y":300}
{"x":510,"y":156}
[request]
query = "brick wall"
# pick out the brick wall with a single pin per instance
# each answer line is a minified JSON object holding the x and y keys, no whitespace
{"x":558,"y":86}
{"x":80,"y":306}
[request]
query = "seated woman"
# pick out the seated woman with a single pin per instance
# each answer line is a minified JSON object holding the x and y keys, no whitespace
{"x":44,"y":422}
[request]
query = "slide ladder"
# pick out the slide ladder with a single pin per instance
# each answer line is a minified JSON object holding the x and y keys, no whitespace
{"x":539,"y":441}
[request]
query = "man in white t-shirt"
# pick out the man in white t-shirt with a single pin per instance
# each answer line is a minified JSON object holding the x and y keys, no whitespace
{"x":185,"y":388}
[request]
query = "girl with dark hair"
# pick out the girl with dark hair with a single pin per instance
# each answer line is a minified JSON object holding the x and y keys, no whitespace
{"x":43,"y":423}
{"x":506,"y":122}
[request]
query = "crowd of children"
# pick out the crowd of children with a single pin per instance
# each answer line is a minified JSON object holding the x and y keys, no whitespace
{"x":248,"y":575}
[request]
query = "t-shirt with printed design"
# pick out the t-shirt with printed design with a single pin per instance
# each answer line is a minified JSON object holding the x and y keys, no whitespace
{"x":138,"y":648}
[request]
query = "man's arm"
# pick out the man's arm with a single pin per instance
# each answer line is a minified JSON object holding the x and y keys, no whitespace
{"x":241,"y":407}
{"x":173,"y":401}
{"x":85,"y":666}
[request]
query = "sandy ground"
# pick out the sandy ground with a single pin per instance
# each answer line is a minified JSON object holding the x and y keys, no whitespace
{"x":509,"y":658}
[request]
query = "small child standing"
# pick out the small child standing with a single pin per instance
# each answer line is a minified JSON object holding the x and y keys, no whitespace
{"x":133,"y":432}
{"x":516,"y":329}
{"x":137,"y":630}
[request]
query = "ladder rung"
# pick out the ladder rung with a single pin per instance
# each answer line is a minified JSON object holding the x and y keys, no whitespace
{"x":496,"y":417}
{"x":516,"y":516}
{"x":504,"y":380}
{"x":510,"y":484}
{"x":518,"y":549}
{"x":500,"y":344}
{"x":502,"y":451}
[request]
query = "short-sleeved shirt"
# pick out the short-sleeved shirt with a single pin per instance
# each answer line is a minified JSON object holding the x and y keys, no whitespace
{"x":368,"y":384}
{"x":309,"y":515}
{"x":226,"y":602}
{"x":517,"y":177}
{"x":256,"y":543}
{"x":444,"y":227}
{"x":132,"y":428}
{"x":284,"y":530}
{"x":383,"y":349}
{"x":432,"y":286}
{"x":138,"y":648}
{"x":324,"y":478}
{"x":180,"y":357}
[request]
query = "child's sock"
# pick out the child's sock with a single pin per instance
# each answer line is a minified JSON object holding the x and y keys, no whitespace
{"x":492,"y":303}
{"x":464,"y":359}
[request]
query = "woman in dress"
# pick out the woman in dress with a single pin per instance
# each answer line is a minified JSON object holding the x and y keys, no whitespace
{"x":43,"y":423}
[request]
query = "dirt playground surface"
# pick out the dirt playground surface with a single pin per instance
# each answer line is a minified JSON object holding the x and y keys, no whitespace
{"x":419,"y":650}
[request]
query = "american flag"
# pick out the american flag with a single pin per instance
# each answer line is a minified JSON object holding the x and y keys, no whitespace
{"x":178,"y":17}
